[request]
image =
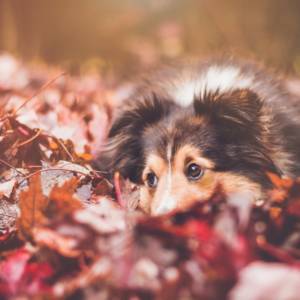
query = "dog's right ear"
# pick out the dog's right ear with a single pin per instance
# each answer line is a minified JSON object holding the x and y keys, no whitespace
{"x":124,"y":149}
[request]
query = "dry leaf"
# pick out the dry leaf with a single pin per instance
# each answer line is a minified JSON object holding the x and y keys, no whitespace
{"x":6,"y":187}
{"x":32,"y":206}
{"x":8,"y":215}
{"x":62,"y":198}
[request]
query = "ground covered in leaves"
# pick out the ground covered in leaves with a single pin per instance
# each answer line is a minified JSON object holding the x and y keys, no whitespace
{"x":68,"y":233}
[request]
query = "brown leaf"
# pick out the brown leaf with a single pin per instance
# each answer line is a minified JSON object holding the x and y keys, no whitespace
{"x":102,"y":187}
{"x":32,"y":206}
{"x":285,"y":183}
{"x":62,"y":198}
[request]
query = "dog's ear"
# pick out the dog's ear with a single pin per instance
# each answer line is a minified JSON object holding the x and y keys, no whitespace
{"x":237,"y":112}
{"x":124,"y":149}
{"x":241,"y":124}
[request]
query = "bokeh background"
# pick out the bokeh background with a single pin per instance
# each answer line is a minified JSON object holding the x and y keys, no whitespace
{"x":130,"y":35}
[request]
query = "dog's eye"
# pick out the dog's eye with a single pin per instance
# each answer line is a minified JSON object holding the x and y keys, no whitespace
{"x":194,"y":172}
{"x":151,"y":180}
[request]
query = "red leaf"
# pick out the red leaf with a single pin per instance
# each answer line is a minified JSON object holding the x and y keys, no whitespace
{"x":19,"y":276}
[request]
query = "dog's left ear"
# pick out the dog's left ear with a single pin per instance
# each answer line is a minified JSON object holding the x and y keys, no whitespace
{"x":238,"y":110}
{"x":241,"y":122}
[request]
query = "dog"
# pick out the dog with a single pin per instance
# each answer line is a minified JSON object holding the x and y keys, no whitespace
{"x":192,"y":127}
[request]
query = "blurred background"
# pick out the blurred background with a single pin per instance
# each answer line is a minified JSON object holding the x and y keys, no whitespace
{"x":126,"y":36}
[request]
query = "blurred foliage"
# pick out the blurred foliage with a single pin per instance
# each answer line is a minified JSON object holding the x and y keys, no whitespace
{"x":129,"y":35}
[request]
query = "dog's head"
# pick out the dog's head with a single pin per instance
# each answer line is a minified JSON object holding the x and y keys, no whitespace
{"x":178,"y":155}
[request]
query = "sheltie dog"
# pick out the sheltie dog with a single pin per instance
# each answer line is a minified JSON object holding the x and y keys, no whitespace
{"x":192,"y":127}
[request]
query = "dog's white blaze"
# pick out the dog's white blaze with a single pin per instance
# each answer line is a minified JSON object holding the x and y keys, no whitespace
{"x":215,"y":78}
{"x":168,"y":202}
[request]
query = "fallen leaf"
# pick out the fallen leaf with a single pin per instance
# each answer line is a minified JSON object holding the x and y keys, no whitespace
{"x":8,"y":215}
{"x":32,"y":205}
{"x":6,"y":187}
{"x":19,"y":276}
{"x":62,"y":200}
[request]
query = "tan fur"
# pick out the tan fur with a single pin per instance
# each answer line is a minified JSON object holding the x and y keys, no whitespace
{"x":184,"y":192}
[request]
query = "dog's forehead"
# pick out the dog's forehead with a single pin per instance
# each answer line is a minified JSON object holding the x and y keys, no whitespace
{"x":168,"y":136}
{"x":157,"y":139}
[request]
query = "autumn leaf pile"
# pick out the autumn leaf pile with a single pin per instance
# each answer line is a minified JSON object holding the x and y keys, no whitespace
{"x":66,"y":232}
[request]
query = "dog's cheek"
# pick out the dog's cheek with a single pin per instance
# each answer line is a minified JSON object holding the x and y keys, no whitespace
{"x":235,"y":184}
{"x":145,"y":200}
{"x":194,"y":192}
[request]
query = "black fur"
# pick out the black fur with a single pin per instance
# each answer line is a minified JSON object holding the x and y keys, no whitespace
{"x":236,"y":118}
{"x":126,"y":132}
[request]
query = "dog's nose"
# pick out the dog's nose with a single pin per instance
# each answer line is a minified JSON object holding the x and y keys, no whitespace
{"x":164,"y":206}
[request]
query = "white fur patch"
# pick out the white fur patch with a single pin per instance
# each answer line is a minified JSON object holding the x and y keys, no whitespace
{"x":215,"y":78}
{"x":168,"y":202}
